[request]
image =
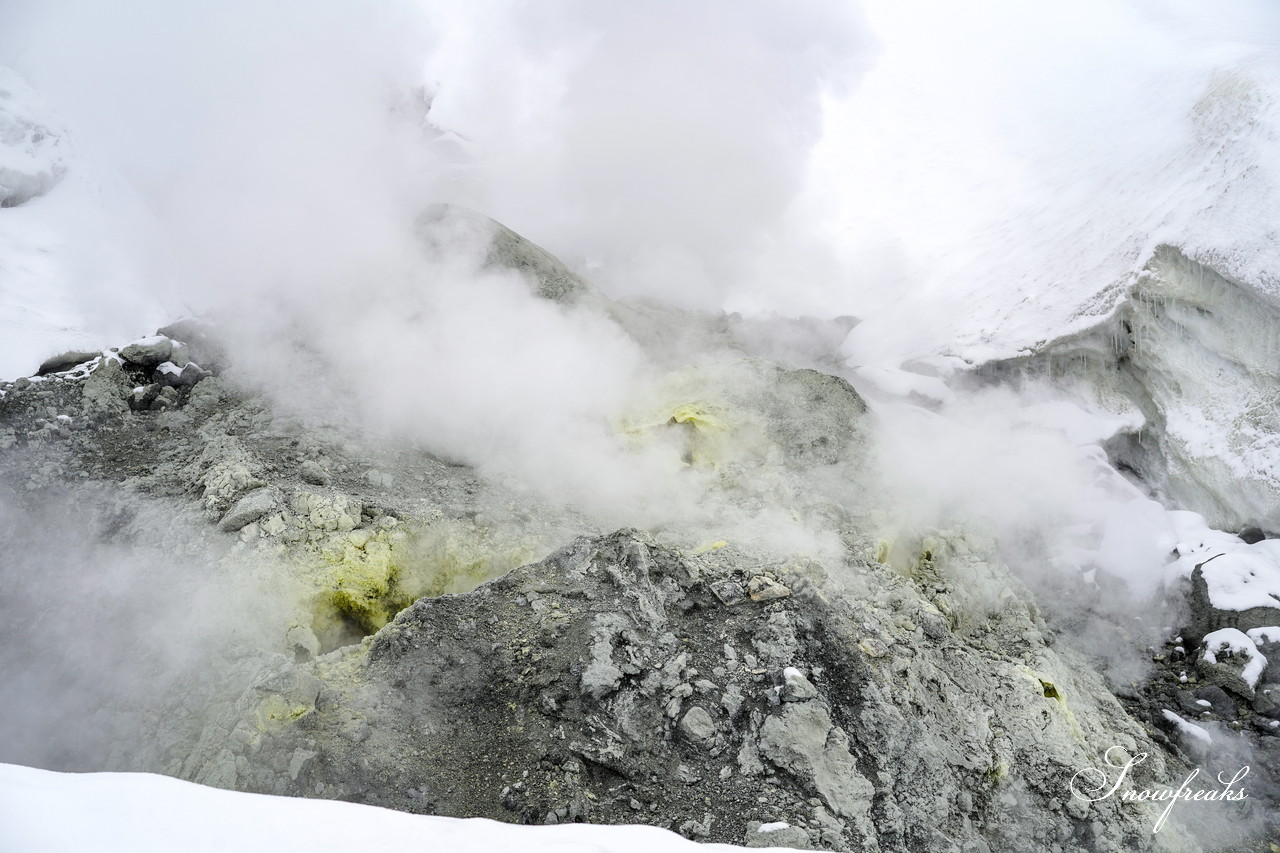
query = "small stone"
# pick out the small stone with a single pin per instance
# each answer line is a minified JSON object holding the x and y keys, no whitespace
{"x":729,"y":592}
{"x":311,"y":472}
{"x":871,"y":647}
{"x":166,"y":399}
{"x":795,"y":687}
{"x":697,"y":724}
{"x":688,"y":775}
{"x":776,"y":834}
{"x":763,"y":589}
{"x":249,"y":508}
{"x":300,"y":761}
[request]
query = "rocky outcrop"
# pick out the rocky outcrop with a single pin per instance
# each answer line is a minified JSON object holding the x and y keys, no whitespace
{"x":1192,"y":352}
{"x":616,"y":681}
{"x":444,"y":229}
{"x":832,"y":692}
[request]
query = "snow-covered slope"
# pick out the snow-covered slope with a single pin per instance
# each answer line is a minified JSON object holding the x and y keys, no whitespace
{"x":45,"y":812}
{"x":71,"y":269}
{"x":32,"y":159}
{"x":1014,"y":166}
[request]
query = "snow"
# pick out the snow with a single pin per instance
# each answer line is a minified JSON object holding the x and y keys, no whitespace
{"x":1190,"y":730}
{"x":776,"y":826}
{"x":1269,"y":634}
{"x":47,"y":812}
{"x":32,"y":151}
{"x":1013,"y":167}
{"x":903,"y":383}
{"x":71,"y":268}
{"x":1239,"y":576}
{"x":1231,"y":641}
{"x":1242,"y":579}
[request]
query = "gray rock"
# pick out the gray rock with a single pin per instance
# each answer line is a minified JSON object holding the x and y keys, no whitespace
{"x":803,"y":741}
{"x":106,"y":390}
{"x":794,"y":687}
{"x":1226,"y":669}
{"x":442,"y":228}
{"x":1219,"y":702}
{"x":300,"y":761}
{"x":792,"y":837}
{"x":166,"y":399}
{"x":200,"y":343}
{"x":249,"y":508}
{"x":697,"y":724}
{"x":378,"y":479}
{"x":1206,"y":618}
{"x":312,"y":472}
{"x":140,"y":399}
{"x":149,"y":352}
{"x":191,"y":374}
{"x":729,"y":592}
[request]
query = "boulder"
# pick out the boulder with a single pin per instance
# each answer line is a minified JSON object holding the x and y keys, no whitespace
{"x":148,"y":352}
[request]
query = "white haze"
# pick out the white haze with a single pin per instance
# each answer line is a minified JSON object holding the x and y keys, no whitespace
{"x":942,"y":182}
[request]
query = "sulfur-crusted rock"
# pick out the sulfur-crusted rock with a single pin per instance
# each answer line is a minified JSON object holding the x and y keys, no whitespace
{"x":611,"y":674}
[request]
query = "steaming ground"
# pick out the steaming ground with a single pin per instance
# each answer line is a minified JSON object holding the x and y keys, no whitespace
{"x":979,"y":216}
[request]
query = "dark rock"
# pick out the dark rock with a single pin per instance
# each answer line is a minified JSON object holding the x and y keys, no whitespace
{"x":1251,"y":535}
{"x":1206,"y":618}
{"x":65,"y":361}
{"x":1222,"y":704}
{"x":165,"y":400}
{"x":140,"y":399}
{"x":729,"y":592}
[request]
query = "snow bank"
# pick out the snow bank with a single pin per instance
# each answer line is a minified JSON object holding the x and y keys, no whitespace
{"x":72,"y":273}
{"x":45,"y":812}
{"x":1239,"y":576}
{"x":32,"y":153}
{"x":1005,"y":170}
